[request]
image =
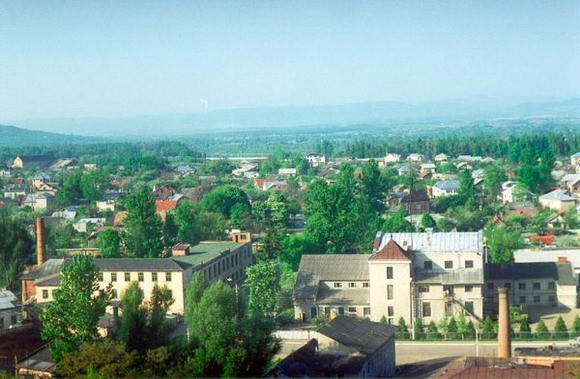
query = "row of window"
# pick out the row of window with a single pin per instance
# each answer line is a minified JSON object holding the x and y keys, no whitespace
{"x":352,"y":311}
{"x":447,"y":289}
{"x":426,"y":308}
{"x":525,"y":299}
{"x":428,"y":265}
{"x":140,"y":276}
{"x":351,"y":285}
{"x":536,"y":286}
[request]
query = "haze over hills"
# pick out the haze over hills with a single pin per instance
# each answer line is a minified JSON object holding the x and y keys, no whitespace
{"x":372,"y":113}
{"x":11,"y":136}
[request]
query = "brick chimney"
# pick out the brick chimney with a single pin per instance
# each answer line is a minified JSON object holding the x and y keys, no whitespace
{"x":377,"y":242}
{"x":40,"y":242}
{"x":504,"y":343}
{"x":181,"y":249}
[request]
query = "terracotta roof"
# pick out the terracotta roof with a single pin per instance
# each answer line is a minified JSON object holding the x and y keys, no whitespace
{"x":391,"y":250}
{"x":165,"y":205}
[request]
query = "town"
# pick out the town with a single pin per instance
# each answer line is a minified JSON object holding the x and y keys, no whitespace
{"x":156,"y":260}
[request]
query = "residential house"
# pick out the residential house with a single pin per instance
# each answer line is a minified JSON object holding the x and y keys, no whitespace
{"x":185,"y":170}
{"x":315,"y":159}
{"x":416,"y":203}
{"x":245,"y":168}
{"x":6,"y":202}
{"x":67,"y":214}
{"x":43,"y":201}
{"x":408,"y":275}
{"x":106,"y":205}
{"x":216,"y":260}
{"x":477,"y":174}
{"x":267,"y":184}
{"x":61,"y":164}
{"x":414,"y":157}
{"x":510,"y":193}
{"x":570,"y":254}
{"x":575,"y":159}
{"x":83,"y":224}
{"x":446,"y":188}
{"x":10,"y":310}
{"x":392,"y":158}
{"x":404,"y":170}
{"x":345,"y":347}
{"x":15,"y":191}
{"x":163,"y":191}
{"x":531,"y":284}
{"x":32,"y":161}
{"x":428,"y":167}
{"x":441,"y":158}
{"x":4,"y":173}
{"x":567,"y":179}
{"x":287,"y":172}
{"x":559,"y":200}
{"x":469,"y":158}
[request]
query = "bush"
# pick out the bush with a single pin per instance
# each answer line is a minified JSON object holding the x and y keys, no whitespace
{"x":542,"y":331}
{"x":432,"y":332}
{"x":560,"y":329}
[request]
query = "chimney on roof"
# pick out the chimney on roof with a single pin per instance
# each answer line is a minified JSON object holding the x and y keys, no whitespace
{"x":562,"y":260}
{"x":40,"y":242}
{"x":377,"y":242}
{"x":181,"y":249}
{"x":504,"y":343}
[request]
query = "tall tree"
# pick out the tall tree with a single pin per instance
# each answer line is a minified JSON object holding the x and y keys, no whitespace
{"x":109,"y":242}
{"x":502,"y":244}
{"x":372,"y":184}
{"x":263,"y":281}
{"x":71,"y":318}
{"x":16,"y":248}
{"x":142,"y":226}
{"x":222,"y":199}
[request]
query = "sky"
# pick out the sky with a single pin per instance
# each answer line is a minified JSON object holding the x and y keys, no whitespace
{"x":124,"y":58}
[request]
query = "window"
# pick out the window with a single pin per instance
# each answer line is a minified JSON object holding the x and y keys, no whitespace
{"x":154,"y":276}
{"x":100,"y":276}
{"x":45,"y":294}
{"x":426,"y":309}
{"x":536,"y":286}
{"x":448,"y":264}
{"x":507,"y":286}
{"x":140,"y":276}
{"x":469,"y":306}
{"x":522,"y":299}
{"x":113,"y":277}
{"x":391,"y":320}
{"x":468,"y":288}
{"x":428,"y":265}
{"x":468,"y":264}
{"x":351,"y":309}
{"x":352,"y":285}
{"x":114,"y":294}
{"x":490,"y":286}
{"x":389,"y":272}
{"x":551,"y":285}
{"x":337,"y":285}
{"x":1,"y":323}
{"x":423,"y":289}
{"x":167,"y":276}
{"x":341,"y":311}
{"x":327,"y":311}
{"x":127,"y":276}
{"x":366,"y":311}
{"x":390,"y":292}
{"x":522,"y":286}
{"x":390,"y":311}
{"x":536,"y":299}
{"x":13,"y":320}
{"x":366,"y":285}
{"x":551,"y":299}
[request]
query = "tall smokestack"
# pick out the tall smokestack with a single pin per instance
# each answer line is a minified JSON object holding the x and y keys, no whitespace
{"x":504,"y":342}
{"x":40,"y":242}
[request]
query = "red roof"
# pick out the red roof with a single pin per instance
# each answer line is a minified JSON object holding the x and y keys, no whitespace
{"x":392,"y":250}
{"x":165,"y":205}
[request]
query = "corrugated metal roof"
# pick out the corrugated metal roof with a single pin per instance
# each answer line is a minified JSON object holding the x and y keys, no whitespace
{"x":463,"y":276}
{"x":332,"y":296}
{"x":451,"y":242}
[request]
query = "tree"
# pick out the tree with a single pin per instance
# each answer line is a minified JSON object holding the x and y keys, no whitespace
{"x":263,"y":281}
{"x":470,"y":329}
{"x":93,"y":185}
{"x":195,"y":225}
{"x":576,"y":327}
{"x":222,"y":199}
{"x":142,"y":226}
{"x":294,"y":246}
{"x":502,"y":244}
{"x":16,"y":247}
{"x":487,"y":328}
{"x":109,"y":242}
{"x":525,"y":325}
{"x":372,"y":185}
{"x":71,"y":318}
{"x":494,"y":176}
{"x":427,"y":221}
{"x":452,"y":328}
{"x":402,"y":330}
{"x":397,"y":223}
{"x":432,"y":332}
{"x":560,"y":328}
{"x":418,"y":329}
{"x":542,"y":330}
{"x":70,"y":190}
{"x":273,"y":212}
{"x":101,"y":358}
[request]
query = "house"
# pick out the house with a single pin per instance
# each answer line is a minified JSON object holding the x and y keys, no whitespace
{"x":469,"y":158}
{"x":531,"y":284}
{"x":428,"y":167}
{"x":446,"y":188}
{"x":216,"y":260}
{"x":567,"y":179}
{"x":67,"y":214}
{"x":185,"y":170}
{"x":414,"y":157}
{"x":570,"y":254}
{"x":345,"y":347}
{"x":163,"y":191}
{"x":267,"y":184}
{"x":10,"y":310}
{"x":6,"y":202}
{"x":287,"y":172}
{"x":559,"y":200}
{"x":4,"y":173}
{"x":525,"y":209}
{"x":441,"y":158}
{"x":245,"y":168}
{"x":83,"y":224}
{"x":477,"y":174}
{"x":32,"y":161}
{"x":315,"y":159}
{"x":15,"y":191}
{"x":63,"y":163}
{"x":416,"y":203}
{"x":404,"y":170}
{"x":408,"y":275}
{"x":425,"y":175}
{"x":488,"y":160}
{"x":106,"y":205}
{"x":40,"y":201}
{"x":392,"y":158}
{"x":511,"y":193}
{"x":575,"y":159}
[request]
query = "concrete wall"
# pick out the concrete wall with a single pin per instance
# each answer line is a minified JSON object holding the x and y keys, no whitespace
{"x":401,"y":283}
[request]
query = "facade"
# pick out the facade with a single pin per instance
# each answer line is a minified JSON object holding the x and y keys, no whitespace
{"x":43,"y":202}
{"x":446,"y":188}
{"x":416,"y":203}
{"x":441,"y":158}
{"x":414,"y":157}
{"x":559,"y":200}
{"x":408,"y":275}
{"x":392,"y":158}
{"x":32,"y":161}
{"x":215,"y":260}
{"x":315,"y":159}
{"x":10,"y":310}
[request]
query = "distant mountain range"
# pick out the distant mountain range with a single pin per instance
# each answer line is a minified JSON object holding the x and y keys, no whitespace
{"x":371,"y":113}
{"x":11,"y":136}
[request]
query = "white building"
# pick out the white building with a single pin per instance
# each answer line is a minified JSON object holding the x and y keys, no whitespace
{"x":559,"y":200}
{"x":446,"y":188}
{"x":392,"y":158}
{"x":315,"y":159}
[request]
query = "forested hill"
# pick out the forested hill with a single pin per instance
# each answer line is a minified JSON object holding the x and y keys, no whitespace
{"x":11,"y":136}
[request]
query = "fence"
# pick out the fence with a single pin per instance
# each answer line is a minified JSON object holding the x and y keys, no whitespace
{"x":296,"y":334}
{"x":516,"y":336}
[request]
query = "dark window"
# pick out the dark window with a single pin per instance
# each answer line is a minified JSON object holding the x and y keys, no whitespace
{"x":366,"y":311}
{"x":428,"y":265}
{"x":114,"y":294}
{"x":468,"y":288}
{"x":536,"y":286}
{"x":423,"y":289}
{"x":140,"y":277}
{"x":551,"y":299}
{"x":327,"y":311}
{"x":448,"y":264}
{"x":389,"y":272}
{"x":507,"y":286}
{"x":551,"y":285}
{"x":341,"y":310}
{"x":100,"y":275}
{"x":127,"y":276}
{"x":468,"y":264}
{"x":391,"y":311}
{"x":351,"y":309}
{"x":366,"y":285}
{"x":426,"y":309}
{"x":1,"y":323}
{"x":113,"y":277}
{"x":390,"y":292}
{"x":352,"y":285}
{"x":490,"y":286}
{"x":337,"y":285}
{"x":13,"y":320}
{"x":522,"y":286}
{"x":154,"y":276}
{"x":45,"y":294}
{"x":469,"y":306}
{"x":167,"y":276}
{"x":536,"y":299}
{"x":313,"y":311}
{"x":522,"y":299}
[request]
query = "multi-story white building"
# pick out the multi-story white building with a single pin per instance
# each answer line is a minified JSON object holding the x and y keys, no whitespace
{"x":409,"y":275}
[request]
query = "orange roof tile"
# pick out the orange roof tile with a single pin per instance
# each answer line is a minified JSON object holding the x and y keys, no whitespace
{"x":392,"y":250}
{"x":165,"y":205}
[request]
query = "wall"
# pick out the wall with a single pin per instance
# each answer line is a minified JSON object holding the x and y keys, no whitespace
{"x":401,"y":283}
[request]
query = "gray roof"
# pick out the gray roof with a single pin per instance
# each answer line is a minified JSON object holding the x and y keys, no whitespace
{"x":314,"y":268}
{"x":559,"y":194}
{"x":551,"y":255}
{"x":362,"y":335}
{"x":437,"y":242}
{"x":332,"y":296}
{"x":460,"y":276}
{"x":50,"y":267}
{"x":562,"y":273}
{"x":8,"y":300}
{"x":447,"y":185}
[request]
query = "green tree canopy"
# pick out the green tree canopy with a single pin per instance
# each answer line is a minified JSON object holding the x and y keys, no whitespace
{"x":222,"y":199}
{"x":16,"y":249}
{"x":143,"y":228}
{"x":109,"y":242}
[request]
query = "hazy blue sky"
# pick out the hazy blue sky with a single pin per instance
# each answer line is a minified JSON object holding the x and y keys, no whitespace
{"x":116,"y":58}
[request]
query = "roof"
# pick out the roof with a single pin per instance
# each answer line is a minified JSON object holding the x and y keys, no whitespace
{"x":416,"y":196}
{"x":8,"y":300}
{"x":463,"y":276}
{"x":562,"y":272}
{"x":391,"y":250}
{"x":50,"y":267}
{"x":576,"y":155}
{"x":165,"y":205}
{"x":447,"y":185}
{"x":205,"y":251}
{"x":138,"y":264}
{"x":572,"y":254}
{"x":559,"y":194}
{"x":359,"y":334}
{"x":436,"y":242}
{"x":314,"y":268}
{"x":333,"y":296}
